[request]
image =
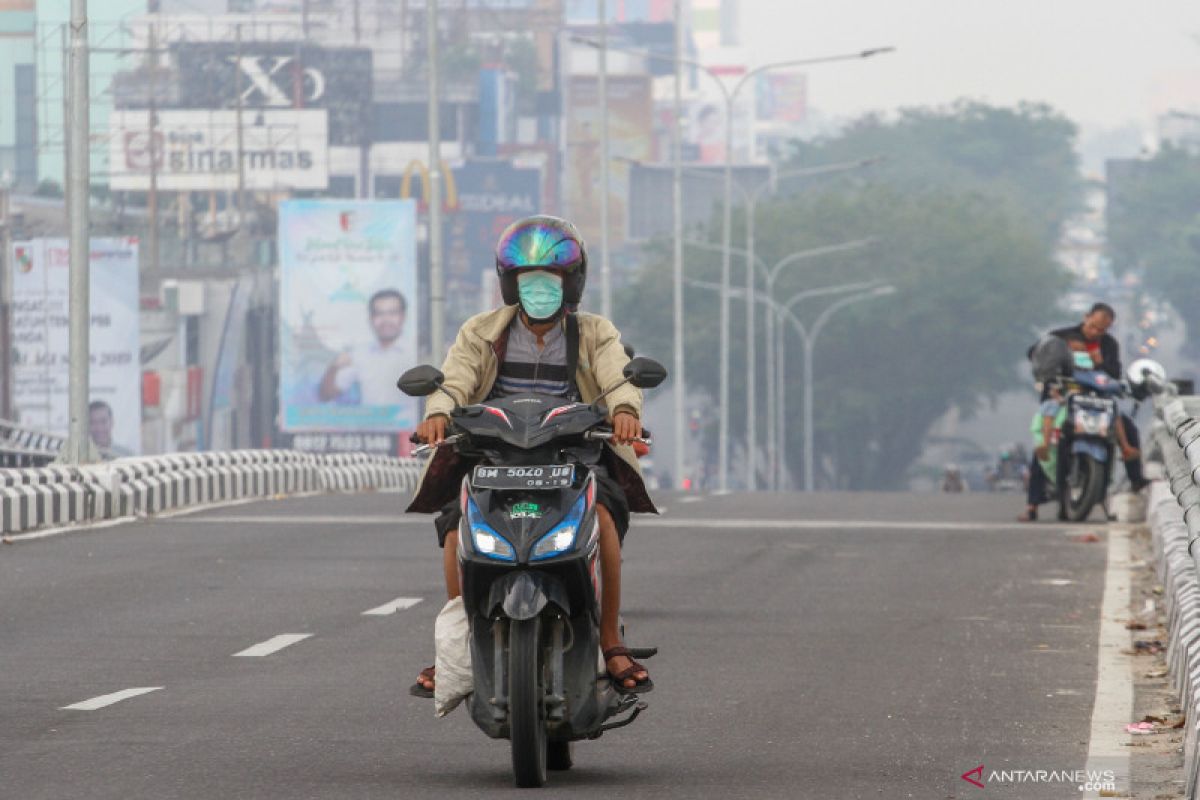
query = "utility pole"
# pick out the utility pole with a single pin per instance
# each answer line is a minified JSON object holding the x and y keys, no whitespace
{"x":602,"y":90}
{"x":6,"y":366}
{"x":677,"y":271}
{"x":78,"y":446}
{"x":437,"y":288}
{"x":241,"y":159}
{"x":152,"y":195}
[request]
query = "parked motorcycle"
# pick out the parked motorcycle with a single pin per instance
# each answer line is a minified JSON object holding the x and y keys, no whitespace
{"x":528,"y":554}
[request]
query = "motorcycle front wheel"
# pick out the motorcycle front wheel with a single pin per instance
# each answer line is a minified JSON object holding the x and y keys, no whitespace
{"x":527,"y":729}
{"x":1085,"y":486}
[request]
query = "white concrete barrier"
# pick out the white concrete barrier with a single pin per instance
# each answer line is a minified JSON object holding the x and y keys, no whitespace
{"x":145,"y":485}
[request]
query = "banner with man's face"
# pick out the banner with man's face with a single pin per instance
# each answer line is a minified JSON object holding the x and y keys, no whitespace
{"x":348,"y":314}
{"x":41,"y":343}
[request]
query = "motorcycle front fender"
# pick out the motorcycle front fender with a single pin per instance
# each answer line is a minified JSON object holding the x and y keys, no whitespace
{"x":1098,"y":450}
{"x":523,"y":595}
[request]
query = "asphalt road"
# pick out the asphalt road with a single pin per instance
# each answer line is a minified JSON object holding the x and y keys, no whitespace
{"x":838,"y":646}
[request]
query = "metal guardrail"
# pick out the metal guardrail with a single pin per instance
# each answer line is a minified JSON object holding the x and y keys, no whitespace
{"x":26,"y":447}
{"x":1174,"y":531}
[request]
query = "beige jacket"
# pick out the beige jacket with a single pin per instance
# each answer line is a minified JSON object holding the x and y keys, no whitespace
{"x":471,"y":368}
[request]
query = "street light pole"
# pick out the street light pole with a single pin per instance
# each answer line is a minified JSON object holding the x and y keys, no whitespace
{"x":602,"y":90}
{"x":730,"y":96}
{"x":680,"y":386}
{"x":6,"y":263}
{"x":750,"y":200}
{"x":774,"y":404}
{"x":809,"y":339}
{"x":730,"y":100}
{"x":437,"y":288}
{"x":78,"y":172}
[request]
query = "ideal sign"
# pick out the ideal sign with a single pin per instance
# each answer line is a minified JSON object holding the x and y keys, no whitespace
{"x":201,"y":150}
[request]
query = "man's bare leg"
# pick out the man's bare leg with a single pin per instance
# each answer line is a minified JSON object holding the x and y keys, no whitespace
{"x":610,"y":586}
{"x":610,"y":601}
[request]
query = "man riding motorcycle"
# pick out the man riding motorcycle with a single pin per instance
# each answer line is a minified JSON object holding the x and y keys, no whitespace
{"x":536,"y":343}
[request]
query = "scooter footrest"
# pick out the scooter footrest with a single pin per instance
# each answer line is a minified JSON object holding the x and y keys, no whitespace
{"x":638,"y":708}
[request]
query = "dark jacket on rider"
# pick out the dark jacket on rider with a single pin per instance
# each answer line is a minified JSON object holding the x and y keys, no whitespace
{"x":1110,"y":351}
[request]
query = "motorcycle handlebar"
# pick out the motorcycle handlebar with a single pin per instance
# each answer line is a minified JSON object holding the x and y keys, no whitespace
{"x":604,"y":436}
{"x":425,"y":448}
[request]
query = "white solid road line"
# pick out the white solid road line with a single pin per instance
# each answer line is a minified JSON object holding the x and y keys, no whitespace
{"x":108,"y":699}
{"x":823,"y":524}
{"x":1108,"y":745}
{"x":677,"y":522}
{"x":397,"y":519}
{"x":399,"y":604}
{"x":274,"y":644}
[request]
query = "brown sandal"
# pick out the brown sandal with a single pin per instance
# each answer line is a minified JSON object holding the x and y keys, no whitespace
{"x":418,"y":689}
{"x":634,"y":667}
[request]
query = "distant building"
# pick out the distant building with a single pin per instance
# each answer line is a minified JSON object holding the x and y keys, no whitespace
{"x":18,"y":93}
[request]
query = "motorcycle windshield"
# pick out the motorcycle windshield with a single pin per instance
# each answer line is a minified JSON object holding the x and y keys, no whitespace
{"x":528,"y":421}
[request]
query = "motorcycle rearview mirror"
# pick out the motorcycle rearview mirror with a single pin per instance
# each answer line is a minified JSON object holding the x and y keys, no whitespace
{"x":645,"y":373}
{"x":422,"y":381}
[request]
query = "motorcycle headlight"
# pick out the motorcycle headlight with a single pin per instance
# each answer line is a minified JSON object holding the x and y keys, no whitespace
{"x":561,"y":537}
{"x":485,"y":539}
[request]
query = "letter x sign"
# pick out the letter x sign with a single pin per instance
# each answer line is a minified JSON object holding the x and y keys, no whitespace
{"x":262,"y":80}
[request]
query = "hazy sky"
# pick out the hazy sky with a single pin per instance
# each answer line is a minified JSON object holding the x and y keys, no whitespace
{"x":1106,"y":63}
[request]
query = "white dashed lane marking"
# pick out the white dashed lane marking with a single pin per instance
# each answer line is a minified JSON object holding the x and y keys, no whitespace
{"x":399,"y":604}
{"x":274,"y":644}
{"x":108,"y":699}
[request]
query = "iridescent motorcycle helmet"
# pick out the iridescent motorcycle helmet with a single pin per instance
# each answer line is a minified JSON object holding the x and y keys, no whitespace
{"x":542,"y":242}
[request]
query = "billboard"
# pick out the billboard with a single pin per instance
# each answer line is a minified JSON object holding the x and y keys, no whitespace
{"x":199,"y":151}
{"x":348,"y":314}
{"x":278,"y":75}
{"x":40,"y":273}
{"x":491,"y":196}
{"x":781,"y":97}
{"x":630,"y":139}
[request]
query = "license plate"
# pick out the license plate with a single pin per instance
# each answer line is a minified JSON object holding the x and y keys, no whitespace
{"x":1093,"y":423}
{"x":555,"y":476}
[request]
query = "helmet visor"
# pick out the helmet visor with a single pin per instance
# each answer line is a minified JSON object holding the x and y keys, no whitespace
{"x":537,"y":245}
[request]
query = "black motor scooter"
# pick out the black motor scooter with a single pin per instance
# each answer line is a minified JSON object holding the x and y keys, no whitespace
{"x":528,"y":556}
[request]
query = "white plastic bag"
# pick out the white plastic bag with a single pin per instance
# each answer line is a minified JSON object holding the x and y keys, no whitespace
{"x":452,"y":657}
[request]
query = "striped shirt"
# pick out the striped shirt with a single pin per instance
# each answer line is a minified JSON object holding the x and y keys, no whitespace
{"x":528,"y":369}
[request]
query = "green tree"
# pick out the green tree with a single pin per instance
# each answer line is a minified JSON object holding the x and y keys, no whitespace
{"x":972,"y":260}
{"x":1026,"y":153}
{"x":1154,"y":228}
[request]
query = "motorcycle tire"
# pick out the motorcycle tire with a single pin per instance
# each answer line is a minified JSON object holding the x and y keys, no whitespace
{"x":559,"y":756}
{"x":1089,"y":475}
{"x":527,"y":728}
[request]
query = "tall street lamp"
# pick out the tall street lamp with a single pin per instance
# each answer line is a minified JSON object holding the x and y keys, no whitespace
{"x":771,"y":275}
{"x":677,"y":261}
{"x":437,"y":281}
{"x":730,"y":96}
{"x":750,"y":198}
{"x":726,"y":232}
{"x":809,"y":337}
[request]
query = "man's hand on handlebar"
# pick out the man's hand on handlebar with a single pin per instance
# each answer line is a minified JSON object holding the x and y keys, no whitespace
{"x":626,"y":427}
{"x":433,"y":430}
